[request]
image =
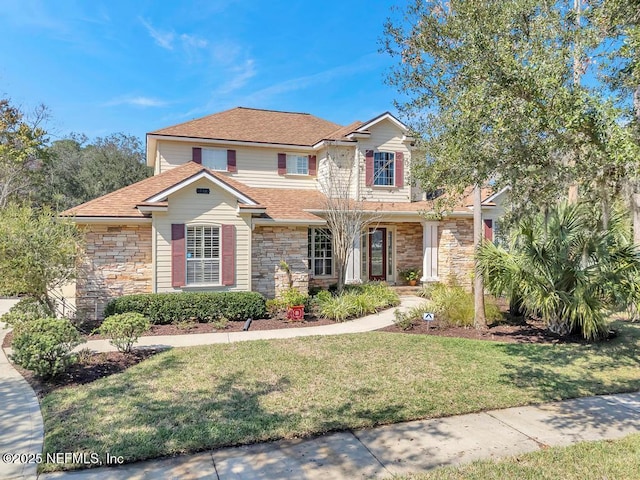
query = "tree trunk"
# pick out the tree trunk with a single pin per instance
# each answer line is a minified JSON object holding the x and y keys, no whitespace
{"x":559,"y":326}
{"x":479,"y":319}
{"x":635,"y":208}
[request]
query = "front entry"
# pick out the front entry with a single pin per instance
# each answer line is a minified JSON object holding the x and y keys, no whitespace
{"x":377,"y":254}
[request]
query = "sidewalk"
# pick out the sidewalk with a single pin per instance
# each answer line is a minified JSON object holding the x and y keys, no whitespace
{"x":364,"y":324}
{"x":400,"y":448}
{"x":21,"y":429}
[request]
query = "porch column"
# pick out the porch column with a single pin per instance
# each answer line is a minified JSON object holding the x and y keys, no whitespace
{"x":430,"y":251}
{"x":353,"y":263}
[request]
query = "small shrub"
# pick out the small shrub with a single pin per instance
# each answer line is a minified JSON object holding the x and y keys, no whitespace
{"x":292,"y":297}
{"x":427,"y":289}
{"x":44,"y":345}
{"x":403,"y":320}
{"x":185,"y":324}
{"x":124,"y":329}
{"x":168,"y":308}
{"x":25,"y":310}
{"x":220,"y":323}
{"x":358,"y":300}
{"x":455,"y":306}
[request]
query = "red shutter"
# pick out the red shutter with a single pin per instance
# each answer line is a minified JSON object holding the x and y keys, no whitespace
{"x":178,"y":255}
{"x":313,"y":167}
{"x":399,"y":169}
{"x":231,"y":161}
{"x":228,"y":254}
{"x":488,"y":229}
{"x":368,"y":178}
{"x":282,"y":163}
{"x":196,"y":155}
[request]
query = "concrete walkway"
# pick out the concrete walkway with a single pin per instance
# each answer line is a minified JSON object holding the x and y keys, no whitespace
{"x":400,"y":448}
{"x":21,"y":429}
{"x":359,"y":325}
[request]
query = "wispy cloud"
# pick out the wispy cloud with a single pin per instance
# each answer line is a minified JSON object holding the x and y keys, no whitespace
{"x":163,"y":39}
{"x":136,"y":101}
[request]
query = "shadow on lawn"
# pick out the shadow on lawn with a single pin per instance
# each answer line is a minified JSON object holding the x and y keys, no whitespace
{"x":574,"y":370}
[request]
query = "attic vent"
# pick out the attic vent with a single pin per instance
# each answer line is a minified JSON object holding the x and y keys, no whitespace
{"x":204,"y":191}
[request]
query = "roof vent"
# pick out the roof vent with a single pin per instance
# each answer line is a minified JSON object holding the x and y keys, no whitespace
{"x":204,"y":191}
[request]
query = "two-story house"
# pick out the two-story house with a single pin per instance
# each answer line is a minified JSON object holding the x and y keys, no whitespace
{"x":237,"y":193}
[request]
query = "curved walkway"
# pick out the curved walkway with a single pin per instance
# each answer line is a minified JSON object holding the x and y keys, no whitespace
{"x":359,"y":325}
{"x":21,"y":428}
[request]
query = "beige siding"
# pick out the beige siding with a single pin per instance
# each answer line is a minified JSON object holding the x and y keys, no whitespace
{"x":217,"y":208}
{"x":257,"y":166}
{"x":337,"y":172}
{"x":387,"y":137}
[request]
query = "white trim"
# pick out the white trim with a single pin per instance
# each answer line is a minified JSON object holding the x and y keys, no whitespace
{"x":111,"y":220}
{"x":240,"y":211}
{"x":379,"y":118}
{"x":221,"y":142}
{"x":332,"y":143}
{"x":430,"y":251}
{"x":359,"y":135}
{"x":203,"y":174}
{"x":492,"y":197}
{"x":284,"y":223}
{"x":152,"y":208}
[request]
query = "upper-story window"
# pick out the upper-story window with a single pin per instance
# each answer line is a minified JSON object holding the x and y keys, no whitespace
{"x":383,"y":169}
{"x":214,"y":159}
{"x":297,"y":164}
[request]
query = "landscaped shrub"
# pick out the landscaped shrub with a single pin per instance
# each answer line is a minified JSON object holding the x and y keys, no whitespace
{"x":357,"y":301}
{"x":44,"y":345}
{"x":454,"y":306}
{"x":167,"y":308}
{"x":124,"y":329}
{"x":291,"y":297}
{"x":403,"y":320}
{"x":25,"y":310}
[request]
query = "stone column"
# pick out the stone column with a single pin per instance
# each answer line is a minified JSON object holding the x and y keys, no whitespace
{"x":430,"y":251}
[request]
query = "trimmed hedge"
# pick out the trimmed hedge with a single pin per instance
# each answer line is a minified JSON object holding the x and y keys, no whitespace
{"x":167,"y":308}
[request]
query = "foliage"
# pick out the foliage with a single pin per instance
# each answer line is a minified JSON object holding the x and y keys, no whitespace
{"x":453,"y":306}
{"x":357,"y":301}
{"x":565,"y":268}
{"x":410,"y":274}
{"x":26,"y":310}
{"x":293,"y":297}
{"x":124,"y":329}
{"x":80,"y":170}
{"x":403,"y":320}
{"x":167,"y":308}
{"x":38,"y":252}
{"x":22,"y":152}
{"x":44,"y":345}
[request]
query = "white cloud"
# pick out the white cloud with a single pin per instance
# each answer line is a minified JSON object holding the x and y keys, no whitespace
{"x":163,"y":39}
{"x":137,"y":101}
{"x":240,"y":75}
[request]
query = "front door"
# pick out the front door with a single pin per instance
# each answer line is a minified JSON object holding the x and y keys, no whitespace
{"x":377,"y":254}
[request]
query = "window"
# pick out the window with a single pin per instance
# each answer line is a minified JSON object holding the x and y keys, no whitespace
{"x":297,"y":164}
{"x":203,"y":255}
{"x":320,"y":250}
{"x":214,"y":159}
{"x":383,"y":169}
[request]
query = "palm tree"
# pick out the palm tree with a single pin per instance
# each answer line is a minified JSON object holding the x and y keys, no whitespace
{"x":566,"y":269}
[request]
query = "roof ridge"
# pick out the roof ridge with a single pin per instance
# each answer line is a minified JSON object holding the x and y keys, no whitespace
{"x":275,"y":111}
{"x":192,"y":120}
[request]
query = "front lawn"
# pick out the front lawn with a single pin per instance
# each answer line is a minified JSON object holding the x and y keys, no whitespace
{"x":619,"y":459}
{"x":192,"y":399}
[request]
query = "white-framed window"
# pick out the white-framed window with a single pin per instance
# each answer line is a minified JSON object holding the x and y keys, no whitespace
{"x":320,"y":250}
{"x":203,"y":255}
{"x":214,"y":159}
{"x":297,"y":164}
{"x":384,"y":169}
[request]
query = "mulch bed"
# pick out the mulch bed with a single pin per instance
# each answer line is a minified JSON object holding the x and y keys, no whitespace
{"x":513,"y":330}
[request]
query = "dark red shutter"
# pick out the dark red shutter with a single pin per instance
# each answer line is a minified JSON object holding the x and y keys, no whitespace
{"x":196,"y":155}
{"x":282,"y":163}
{"x":488,"y":229}
{"x":399,"y":169}
{"x":368,"y":168}
{"x":178,"y":255}
{"x":231,"y":161}
{"x":313,"y":167}
{"x":228,"y":254}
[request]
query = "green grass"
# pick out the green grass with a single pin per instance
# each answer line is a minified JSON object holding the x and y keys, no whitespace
{"x":192,"y":399}
{"x":608,"y":459}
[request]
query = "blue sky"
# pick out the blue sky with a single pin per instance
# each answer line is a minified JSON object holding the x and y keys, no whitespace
{"x":136,"y":66}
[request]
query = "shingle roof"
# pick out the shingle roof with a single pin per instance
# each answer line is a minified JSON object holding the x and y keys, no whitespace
{"x":253,"y":125}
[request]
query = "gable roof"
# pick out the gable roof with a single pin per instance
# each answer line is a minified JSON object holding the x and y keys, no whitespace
{"x":278,"y":204}
{"x":254,"y":125}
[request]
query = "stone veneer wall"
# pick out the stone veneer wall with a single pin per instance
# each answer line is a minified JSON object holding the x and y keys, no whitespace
{"x":409,"y":250}
{"x":455,"y":251}
{"x":117,"y":261}
{"x":270,"y":246}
